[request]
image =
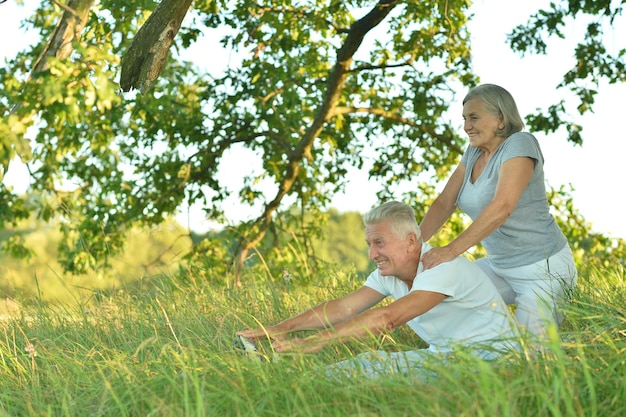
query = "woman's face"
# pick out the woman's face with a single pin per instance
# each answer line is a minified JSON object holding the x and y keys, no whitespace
{"x":481,"y":126}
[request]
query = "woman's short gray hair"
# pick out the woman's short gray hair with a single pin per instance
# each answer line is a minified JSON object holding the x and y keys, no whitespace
{"x":498,"y":102}
{"x":401,"y":218}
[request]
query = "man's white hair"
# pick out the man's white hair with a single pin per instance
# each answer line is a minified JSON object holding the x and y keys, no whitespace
{"x":401,"y":218}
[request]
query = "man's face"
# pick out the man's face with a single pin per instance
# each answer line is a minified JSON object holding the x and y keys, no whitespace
{"x":391,"y":253}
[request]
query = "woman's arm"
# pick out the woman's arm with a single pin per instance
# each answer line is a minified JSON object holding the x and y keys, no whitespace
{"x":515,"y":174}
{"x":444,"y":205}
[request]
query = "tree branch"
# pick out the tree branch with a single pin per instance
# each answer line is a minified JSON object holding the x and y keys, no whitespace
{"x":68,"y":29}
{"x":408,"y":62}
{"x":301,"y":13}
{"x":147,"y":54}
{"x":398,"y":119}
{"x":336,"y":82}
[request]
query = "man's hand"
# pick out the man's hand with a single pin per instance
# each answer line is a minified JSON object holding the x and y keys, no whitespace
{"x":437,"y":256}
{"x":311,"y":344}
{"x":271,"y":332}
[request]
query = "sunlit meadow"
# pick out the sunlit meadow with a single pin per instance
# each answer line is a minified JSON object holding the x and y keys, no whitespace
{"x":164,"y":347}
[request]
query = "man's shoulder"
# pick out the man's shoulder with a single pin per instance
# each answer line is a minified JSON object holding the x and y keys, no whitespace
{"x":459,"y":278}
{"x":459,"y":266}
{"x":375,"y":279}
{"x":458,"y":262}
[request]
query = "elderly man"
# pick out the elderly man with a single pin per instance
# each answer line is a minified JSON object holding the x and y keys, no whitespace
{"x":452,"y":306}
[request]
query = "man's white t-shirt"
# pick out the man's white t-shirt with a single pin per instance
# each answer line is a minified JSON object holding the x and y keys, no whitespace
{"x":472,"y":314}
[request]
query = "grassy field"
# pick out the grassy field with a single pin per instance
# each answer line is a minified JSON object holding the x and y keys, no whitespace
{"x":164,"y":348}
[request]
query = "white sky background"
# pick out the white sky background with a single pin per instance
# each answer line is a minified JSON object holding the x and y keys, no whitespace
{"x":595,"y":170}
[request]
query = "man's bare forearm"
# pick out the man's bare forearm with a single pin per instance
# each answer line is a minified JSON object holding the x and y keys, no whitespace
{"x":322,"y":316}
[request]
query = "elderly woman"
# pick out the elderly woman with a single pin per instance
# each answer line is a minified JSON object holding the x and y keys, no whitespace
{"x":499,"y":183}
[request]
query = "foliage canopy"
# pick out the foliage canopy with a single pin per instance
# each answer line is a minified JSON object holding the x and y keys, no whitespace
{"x":319,"y":87}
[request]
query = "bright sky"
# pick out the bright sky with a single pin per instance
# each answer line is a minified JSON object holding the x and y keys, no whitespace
{"x":595,"y":170}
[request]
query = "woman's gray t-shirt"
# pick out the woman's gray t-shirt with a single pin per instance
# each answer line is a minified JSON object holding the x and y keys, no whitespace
{"x":530,"y":234}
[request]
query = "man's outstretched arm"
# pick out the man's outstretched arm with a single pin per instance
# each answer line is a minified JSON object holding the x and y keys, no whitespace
{"x":322,"y":316}
{"x":372,"y":322}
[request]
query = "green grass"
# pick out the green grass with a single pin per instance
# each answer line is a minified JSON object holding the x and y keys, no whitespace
{"x":164,"y":348}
